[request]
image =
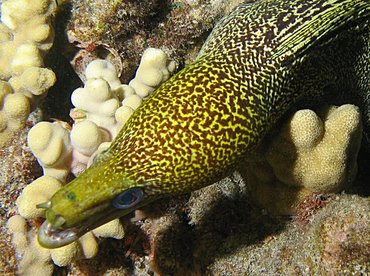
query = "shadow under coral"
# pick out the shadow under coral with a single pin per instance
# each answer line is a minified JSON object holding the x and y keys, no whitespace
{"x":215,"y":222}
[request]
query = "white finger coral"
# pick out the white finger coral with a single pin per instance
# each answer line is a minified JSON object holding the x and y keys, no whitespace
{"x":14,"y":110}
{"x":154,"y":68}
{"x":103,"y":105}
{"x":123,"y":114}
{"x":25,"y":36}
{"x":314,"y":152}
{"x":86,"y":136}
{"x":36,"y":260}
{"x":102,"y":69}
{"x":97,"y":101}
{"x":39,"y":191}
{"x":50,"y":143}
{"x":109,"y":104}
{"x":34,"y":81}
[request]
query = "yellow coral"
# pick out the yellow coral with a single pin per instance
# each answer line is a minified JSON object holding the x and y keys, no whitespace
{"x":86,"y":137}
{"x":51,"y":145}
{"x":16,"y":12}
{"x":320,"y":156}
{"x":34,"y":81}
{"x":306,"y":129}
{"x":39,"y":191}
{"x":14,"y":110}
{"x":112,"y":229}
{"x":25,"y":56}
{"x":154,"y":68}
{"x":25,"y":34}
{"x":35,"y":260}
{"x":98,"y":102}
{"x":18,"y":227}
{"x":270,"y":193}
{"x":89,"y":245}
{"x":65,"y":255}
{"x":16,"y":107}
{"x":85,"y":248}
{"x":312,"y":153}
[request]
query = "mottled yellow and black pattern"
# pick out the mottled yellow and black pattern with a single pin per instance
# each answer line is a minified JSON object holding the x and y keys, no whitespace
{"x":218,"y":109}
{"x":258,"y":63}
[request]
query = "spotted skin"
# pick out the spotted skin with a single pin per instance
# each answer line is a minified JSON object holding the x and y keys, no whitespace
{"x":259,"y":62}
{"x":199,"y":123}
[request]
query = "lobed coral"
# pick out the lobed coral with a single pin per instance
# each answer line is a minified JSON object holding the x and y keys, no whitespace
{"x":97,"y":101}
{"x":36,"y":260}
{"x":25,"y":36}
{"x":107,"y":102}
{"x":154,"y":69}
{"x":51,"y":145}
{"x":103,"y":105}
{"x":312,"y":153}
{"x":61,"y":149}
{"x":39,"y":191}
{"x":14,"y":111}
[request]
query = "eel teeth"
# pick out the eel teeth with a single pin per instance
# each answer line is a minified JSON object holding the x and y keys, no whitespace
{"x":44,"y":205}
{"x":59,"y":221}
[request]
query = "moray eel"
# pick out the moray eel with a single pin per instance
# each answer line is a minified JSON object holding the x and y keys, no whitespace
{"x":259,"y":62}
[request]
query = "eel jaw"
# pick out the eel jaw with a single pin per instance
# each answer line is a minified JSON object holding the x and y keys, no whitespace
{"x":56,"y":234}
{"x":52,"y":237}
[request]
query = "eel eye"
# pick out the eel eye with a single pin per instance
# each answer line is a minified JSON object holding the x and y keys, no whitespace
{"x":128,"y":198}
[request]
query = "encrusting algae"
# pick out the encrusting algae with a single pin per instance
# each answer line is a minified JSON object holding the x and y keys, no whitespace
{"x":261,"y":62}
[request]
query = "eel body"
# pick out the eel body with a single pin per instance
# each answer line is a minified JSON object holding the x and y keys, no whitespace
{"x":261,"y":61}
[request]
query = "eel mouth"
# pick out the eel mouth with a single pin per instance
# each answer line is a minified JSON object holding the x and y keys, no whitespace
{"x":55,"y":232}
{"x":52,"y":237}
